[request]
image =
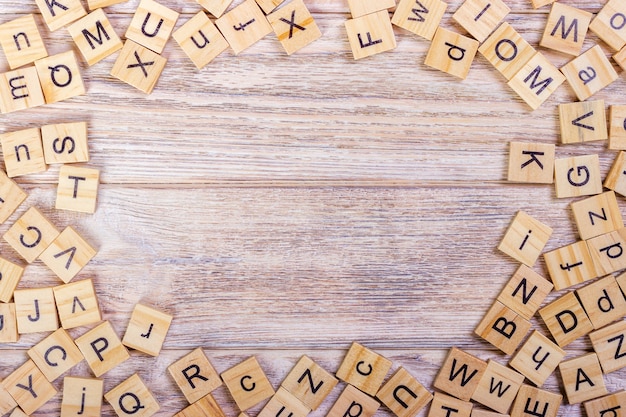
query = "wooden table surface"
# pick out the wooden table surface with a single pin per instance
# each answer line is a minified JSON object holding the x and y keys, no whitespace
{"x":280,"y":206}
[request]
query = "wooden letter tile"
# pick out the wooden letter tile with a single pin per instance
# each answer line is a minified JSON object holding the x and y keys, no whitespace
{"x":370,"y":34}
{"x":31,"y":234}
{"x":360,"y":8}
{"x":244,"y":25}
{"x":525,"y":292}
{"x":23,"y":152}
{"x":583,"y":122}
{"x":404,"y":395}
{"x":609,"y":406}
{"x":506,"y":50}
{"x":364,"y":369}
{"x":421,"y":17}
{"x":451,"y":53}
{"x":36,"y":310}
{"x":65,"y":143}
{"x":294,"y":26}
{"x":132,"y":398}
{"x":498,"y":387}
{"x":59,"y":13}
{"x":152,"y":25}
{"x":195,"y":376}
{"x":78,"y":189}
{"x":268,"y":6}
{"x":503,"y":328}
{"x":536,"y":402}
{"x":607,"y":252}
{"x":460,"y":374}
{"x":60,"y":77}
{"x":577,"y":176}
{"x":10,"y":276}
{"x":536,"y":80}
{"x":566,"y":319}
{"x":570,"y":265}
{"x":21,"y":41}
{"x":610,"y":24}
{"x":67,"y":255}
{"x":138,"y":66}
{"x":8,"y":328}
{"x":353,"y":402}
{"x":537,"y":358}
{"x":589,"y":73}
{"x":29,"y":387}
{"x":620,"y":58}
{"x":82,"y":397}
{"x":617,"y":127}
{"x":17,"y":412}
{"x":446,"y":406}
{"x":100,"y":4}
{"x":597,"y":215}
{"x":283,"y":401}
{"x":102,"y":349}
{"x":482,"y":413}
{"x":309,"y":382}
{"x":204,"y":407}
{"x":77,"y":304}
{"x":11,"y":196}
{"x":20,"y":89}
{"x":215,"y":7}
{"x":55,"y":354}
{"x":525,"y":238}
{"x":247,"y":383}
{"x":7,"y":403}
{"x":566,"y":29}
{"x":609,"y":343}
{"x":582,"y":378}
{"x":147,"y":330}
{"x":95,"y":37}
{"x":481,"y":17}
{"x":200,"y":40}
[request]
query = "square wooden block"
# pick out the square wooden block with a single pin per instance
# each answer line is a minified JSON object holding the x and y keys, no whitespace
{"x":498,"y":387}
{"x":582,"y":378}
{"x":597,"y":215}
{"x":577,"y":176}
{"x":525,"y":292}
{"x":77,"y":189}
{"x":102,"y":349}
{"x":55,"y":355}
{"x":421,"y":17}
{"x":503,"y":328}
{"x":152,"y":25}
{"x":460,"y":374}
{"x":215,"y":7}
{"x":607,"y":252}
{"x":309,"y":382}
{"x":195,"y":375}
{"x":21,"y":41}
{"x":609,"y":343}
{"x":60,"y":77}
{"x":132,"y":397}
{"x":23,"y":152}
{"x":10,"y":276}
{"x":370,"y":34}
{"x":404,"y":395}
{"x":147,"y":330}
{"x":363,"y":368}
{"x":360,"y":8}
{"x":566,"y":319}
{"x":60,"y":13}
{"x":82,"y":396}
{"x":29,"y":387}
{"x":247,"y":383}
{"x":566,"y":29}
{"x":506,"y":50}
{"x":589,"y":73}
{"x":525,"y":238}
{"x":570,"y":265}
{"x":353,"y":402}
{"x":294,"y":26}
{"x":20,"y":89}
{"x":36,"y":310}
{"x":95,"y":37}
{"x":284,"y":401}
{"x":200,"y":40}
{"x":536,"y":80}
{"x":244,"y":25}
{"x":7,"y":403}
{"x":100,"y":4}
{"x":444,"y":406}
{"x":11,"y":197}
{"x":610,"y":405}
{"x":451,"y":53}
{"x":138,"y":66}
{"x":481,"y":17}
{"x":530,"y":398}
{"x":65,"y":143}
{"x":610,"y":24}
{"x":8,"y":328}
{"x":537,"y":358}
{"x":620,"y":58}
{"x":77,"y":304}
{"x":204,"y":407}
{"x":603,"y":301}
{"x":583,"y":122}
{"x":67,"y":255}
{"x":621,"y":281}
{"x":617,"y":127}
{"x":268,"y":6}
{"x":31,"y":234}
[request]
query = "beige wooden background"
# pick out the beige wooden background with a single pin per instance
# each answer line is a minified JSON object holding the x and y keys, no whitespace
{"x":279,"y":206}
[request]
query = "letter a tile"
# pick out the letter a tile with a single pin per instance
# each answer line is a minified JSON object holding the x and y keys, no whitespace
{"x":589,"y":73}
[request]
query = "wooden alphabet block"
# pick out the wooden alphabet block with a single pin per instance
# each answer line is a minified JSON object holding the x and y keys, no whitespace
{"x":482,"y":413}
{"x":102,"y":349}
{"x":29,"y":387}
{"x":101,"y":4}
{"x":284,"y":401}
{"x":481,"y":17}
{"x":525,"y":238}
{"x":244,"y":25}
{"x":200,"y":40}
{"x":460,"y":374}
{"x":82,"y":397}
{"x":421,"y":17}
{"x":21,"y":41}
{"x":363,"y":368}
{"x":589,"y":73}
{"x":77,"y":304}
{"x":566,"y":29}
{"x":532,"y":400}
{"x":23,"y":152}
{"x":17,"y":412}
{"x":353,"y":402}
{"x":617,"y":127}
{"x":31,"y":234}
{"x":582,"y":378}
{"x":8,"y":328}
{"x":503,"y":328}
{"x":204,"y":407}
{"x":621,"y":281}
{"x":537,"y":358}
{"x":570,"y":265}
{"x":498,"y":387}
{"x":309,"y":382}
{"x":610,"y":405}
{"x":36,"y":310}
{"x":11,"y":196}
{"x":65,"y":143}
{"x":531,"y":162}
{"x":268,"y":6}
{"x":67,"y":255}
{"x":195,"y":375}
{"x":59,"y":13}
{"x":10,"y":276}
{"x":20,"y":89}
{"x":620,"y":58}
{"x":55,"y":354}
{"x":247,"y":383}
{"x":536,"y":80}
{"x":215,"y":7}
{"x":607,"y":252}
{"x":152,"y":25}
{"x":610,"y":24}
{"x":7,"y":403}
{"x":609,"y":343}
{"x":77,"y":189}
{"x":506,"y":50}
{"x":138,"y":66}
{"x":132,"y":398}
{"x":445,"y":406}
{"x":404,"y":395}
{"x":360,"y":8}
{"x":540,"y":3}
{"x":577,"y":176}
{"x":566,"y":319}
{"x":95,"y":37}
{"x":370,"y":34}
{"x":60,"y":77}
{"x":451,"y":53}
{"x":147,"y":330}
{"x":583,"y":122}
{"x":525,"y":292}
{"x":294,"y":26}
{"x":597,"y":215}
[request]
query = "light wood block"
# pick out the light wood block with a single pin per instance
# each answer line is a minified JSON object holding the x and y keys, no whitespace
{"x":421,"y":17}
{"x":23,"y":152}
{"x":404,"y":395}
{"x":537,"y":358}
{"x":10,"y":276}
{"x":531,"y":399}
{"x":607,"y":252}
{"x":566,"y":29}
{"x":65,"y":143}
{"x":152,"y":25}
{"x":77,"y":304}
{"x":21,"y":41}
{"x":540,"y":3}
{"x":29,"y":387}
{"x":215,"y":7}
{"x":583,"y":122}
{"x":447,"y":406}
{"x":20,"y":89}
{"x":620,"y":58}
{"x":498,"y":387}
{"x":525,"y":292}
{"x":589,"y":73}
{"x":268,"y":6}
{"x":309,"y":382}
{"x":597,"y":215}
{"x":195,"y":375}
{"x":353,"y":402}
{"x":244,"y":25}
{"x":77,"y":189}
{"x":7,"y":403}
{"x":566,"y":319}
{"x":360,"y":8}
{"x":364,"y":369}
{"x":204,"y":407}
{"x":55,"y":355}
{"x":247,"y":383}
{"x":294,"y":26}
{"x":17,"y":412}
{"x":11,"y":197}
{"x":482,"y":413}
{"x":506,"y":50}
{"x":610,"y":24}
{"x":609,"y":343}
{"x":460,"y":374}
{"x":481,"y":17}
{"x":577,"y":176}
{"x":284,"y":402}
{"x":617,"y":127}
{"x":82,"y":397}
{"x":582,"y":378}
{"x":95,"y":37}
{"x":31,"y":234}
{"x":102,"y":349}
{"x":609,"y":406}
{"x":200,"y":40}
{"x":451,"y":53}
{"x":8,"y":329}
{"x":503,"y":328}
{"x":147,"y":330}
{"x":60,"y":13}
{"x":132,"y":398}
{"x":138,"y":66}
{"x":525,"y":238}
{"x":60,"y":77}
{"x":67,"y":255}
{"x":536,"y":81}
{"x":570,"y":265}
{"x":36,"y":310}
{"x":100,"y":4}
{"x":621,"y":281}
{"x":370,"y":34}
